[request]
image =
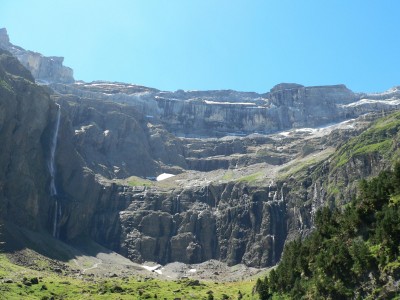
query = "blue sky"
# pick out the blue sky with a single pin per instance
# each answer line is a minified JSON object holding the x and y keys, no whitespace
{"x":246,"y":45}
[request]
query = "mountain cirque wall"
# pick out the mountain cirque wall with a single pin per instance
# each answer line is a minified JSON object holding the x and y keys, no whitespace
{"x":220,"y":113}
{"x":286,"y":106}
{"x":110,"y":131}
{"x":214,"y":113}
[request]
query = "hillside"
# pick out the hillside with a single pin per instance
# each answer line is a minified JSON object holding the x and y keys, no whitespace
{"x":353,"y":252}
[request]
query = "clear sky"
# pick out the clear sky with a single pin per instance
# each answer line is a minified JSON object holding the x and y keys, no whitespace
{"x":247,"y":45}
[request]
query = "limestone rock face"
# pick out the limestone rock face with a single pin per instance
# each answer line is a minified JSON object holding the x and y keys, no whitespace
{"x":301,"y":106}
{"x":226,"y":112}
{"x":44,"y":69}
{"x":231,"y":223}
{"x":116,"y":141}
{"x":219,"y":208}
{"x":286,"y":106}
{"x":27,"y":117}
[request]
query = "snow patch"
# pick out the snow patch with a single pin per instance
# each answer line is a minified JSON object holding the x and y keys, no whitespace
{"x":83,"y":129}
{"x":164,"y":176}
{"x":323,"y":129}
{"x":151,"y":268}
{"x":192,"y":271}
{"x":285,"y":133}
{"x":370,"y":101}
{"x":229,"y":103}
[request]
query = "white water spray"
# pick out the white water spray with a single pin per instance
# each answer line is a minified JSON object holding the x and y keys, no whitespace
{"x":273,"y":249}
{"x":178,"y":204}
{"x":52,"y":169}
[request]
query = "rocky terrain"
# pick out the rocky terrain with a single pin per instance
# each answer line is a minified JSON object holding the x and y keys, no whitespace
{"x":221,"y":113}
{"x":44,"y":69}
{"x":250,"y":170}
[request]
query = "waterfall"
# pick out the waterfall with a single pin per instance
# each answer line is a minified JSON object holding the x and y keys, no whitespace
{"x":178,"y":204}
{"x":52,"y":169}
{"x":273,"y":249}
{"x":315,"y":192}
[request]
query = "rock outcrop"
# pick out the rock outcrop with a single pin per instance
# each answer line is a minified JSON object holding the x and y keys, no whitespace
{"x":116,"y":141}
{"x":44,"y":69}
{"x":232,"y":223}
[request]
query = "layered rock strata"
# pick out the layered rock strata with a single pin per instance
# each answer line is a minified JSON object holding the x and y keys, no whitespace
{"x":237,"y":199}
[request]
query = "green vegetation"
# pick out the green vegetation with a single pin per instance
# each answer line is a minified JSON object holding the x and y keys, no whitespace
{"x":252,"y":178}
{"x":228,"y":175}
{"x":5,"y":85}
{"x":304,"y":163}
{"x":263,"y":152}
{"x":351,"y":254}
{"x":380,"y":138}
{"x":298,"y":166}
{"x":17,"y":282}
{"x":137,"y":181}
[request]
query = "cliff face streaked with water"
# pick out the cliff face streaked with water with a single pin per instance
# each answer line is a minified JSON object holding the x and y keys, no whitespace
{"x":26,"y":119}
{"x":242,"y":186}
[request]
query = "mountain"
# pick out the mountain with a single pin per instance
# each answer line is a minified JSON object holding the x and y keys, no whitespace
{"x":251,"y":170}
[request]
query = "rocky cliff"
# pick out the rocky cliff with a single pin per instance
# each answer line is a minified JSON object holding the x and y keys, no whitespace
{"x":236,"y":197}
{"x":222,"y":113}
{"x":27,"y":117}
{"x":230,"y":222}
{"x":44,"y":69}
{"x":214,"y":113}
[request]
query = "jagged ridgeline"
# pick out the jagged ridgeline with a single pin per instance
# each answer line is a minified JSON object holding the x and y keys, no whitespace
{"x":353,"y":252}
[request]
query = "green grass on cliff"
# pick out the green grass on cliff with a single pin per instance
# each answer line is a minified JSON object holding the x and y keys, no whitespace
{"x":17,"y":282}
{"x":229,"y":175}
{"x":137,"y":181}
{"x":252,"y":178}
{"x":380,"y":138}
{"x":304,"y":163}
{"x":5,"y":85}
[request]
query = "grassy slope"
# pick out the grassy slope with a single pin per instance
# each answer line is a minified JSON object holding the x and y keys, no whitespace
{"x":66,"y":287}
{"x":381,"y":137}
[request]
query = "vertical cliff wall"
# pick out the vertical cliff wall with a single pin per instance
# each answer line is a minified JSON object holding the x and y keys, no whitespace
{"x":27,"y":119}
{"x":44,"y":69}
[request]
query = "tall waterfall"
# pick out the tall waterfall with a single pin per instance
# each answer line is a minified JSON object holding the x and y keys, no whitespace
{"x":52,"y":169}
